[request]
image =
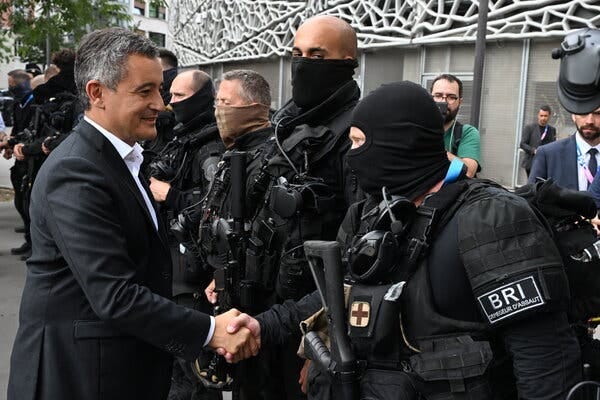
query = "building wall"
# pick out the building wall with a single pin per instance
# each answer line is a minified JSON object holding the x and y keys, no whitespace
{"x":405,"y":40}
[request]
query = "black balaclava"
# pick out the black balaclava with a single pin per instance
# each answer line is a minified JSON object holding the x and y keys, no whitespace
{"x":404,"y":146}
{"x":196,"y":104}
{"x":314,"y":80}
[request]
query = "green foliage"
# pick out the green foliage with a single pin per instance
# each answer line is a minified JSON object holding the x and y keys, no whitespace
{"x":64,"y":22}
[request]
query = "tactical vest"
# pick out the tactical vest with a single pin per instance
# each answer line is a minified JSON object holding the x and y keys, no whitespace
{"x":406,"y":346}
{"x":310,"y":203}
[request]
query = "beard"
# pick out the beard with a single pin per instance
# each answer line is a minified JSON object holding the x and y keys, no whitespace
{"x":450,"y":115}
{"x":592,"y":133}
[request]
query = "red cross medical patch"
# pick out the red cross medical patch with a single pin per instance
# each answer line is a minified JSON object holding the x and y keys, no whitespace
{"x":359,"y":314}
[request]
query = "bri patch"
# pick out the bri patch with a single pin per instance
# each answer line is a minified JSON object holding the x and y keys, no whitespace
{"x":511,"y":299}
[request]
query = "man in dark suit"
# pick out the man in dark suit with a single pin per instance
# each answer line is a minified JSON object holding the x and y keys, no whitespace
{"x":535,"y":135}
{"x":571,"y":162}
{"x":95,"y":321}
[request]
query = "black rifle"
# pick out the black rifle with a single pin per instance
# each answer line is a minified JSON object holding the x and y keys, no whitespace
{"x":232,"y":290}
{"x":324,"y":259}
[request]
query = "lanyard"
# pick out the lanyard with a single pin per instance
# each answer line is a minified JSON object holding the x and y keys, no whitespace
{"x":581,"y":161}
{"x":454,"y":171}
{"x":27,"y":101}
{"x":544,"y":133}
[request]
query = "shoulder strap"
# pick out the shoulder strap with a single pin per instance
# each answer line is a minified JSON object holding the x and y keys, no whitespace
{"x":339,"y":126}
{"x":456,"y":137}
{"x":435,"y":213}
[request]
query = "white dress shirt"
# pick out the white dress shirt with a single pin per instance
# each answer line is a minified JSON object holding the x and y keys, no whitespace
{"x":132,"y":155}
{"x":583,"y":157}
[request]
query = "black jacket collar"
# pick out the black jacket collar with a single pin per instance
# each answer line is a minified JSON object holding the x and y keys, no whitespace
{"x":290,"y":115}
{"x":251,"y":140}
{"x":197,"y":123}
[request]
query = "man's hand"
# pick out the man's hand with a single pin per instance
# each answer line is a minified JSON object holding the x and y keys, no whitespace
{"x":45,"y":149}
{"x":596,"y":224}
{"x":241,"y":322}
{"x":18,"y":151}
{"x":210,"y":293}
{"x":159,"y":189}
{"x":234,"y":344}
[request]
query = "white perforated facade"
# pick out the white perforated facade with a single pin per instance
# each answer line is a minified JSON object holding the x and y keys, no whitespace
{"x":410,"y":39}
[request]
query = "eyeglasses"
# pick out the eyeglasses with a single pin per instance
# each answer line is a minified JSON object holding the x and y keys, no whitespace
{"x":449,"y":98}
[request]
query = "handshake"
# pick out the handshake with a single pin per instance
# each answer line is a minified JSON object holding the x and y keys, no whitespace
{"x":236,"y":336}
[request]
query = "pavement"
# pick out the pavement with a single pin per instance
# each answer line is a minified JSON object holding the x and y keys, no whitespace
{"x":12,"y":279}
{"x":4,"y":172}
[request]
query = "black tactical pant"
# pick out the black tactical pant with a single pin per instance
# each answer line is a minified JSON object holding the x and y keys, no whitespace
{"x":17,"y":172}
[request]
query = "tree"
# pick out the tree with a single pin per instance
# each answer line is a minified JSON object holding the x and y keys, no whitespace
{"x":41,"y":25}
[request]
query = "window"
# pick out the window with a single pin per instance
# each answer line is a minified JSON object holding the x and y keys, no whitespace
{"x":156,"y":12}
{"x":157,"y":38}
{"x":139,"y":7}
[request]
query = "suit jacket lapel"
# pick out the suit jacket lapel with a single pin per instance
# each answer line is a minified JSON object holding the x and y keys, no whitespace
{"x":118,"y":166}
{"x":570,"y":166}
{"x":162,"y":232}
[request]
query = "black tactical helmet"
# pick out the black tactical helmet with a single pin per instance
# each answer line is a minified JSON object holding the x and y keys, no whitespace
{"x":579,"y":77}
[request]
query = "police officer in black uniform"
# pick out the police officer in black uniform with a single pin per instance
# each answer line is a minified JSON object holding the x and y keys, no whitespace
{"x":179,"y":177}
{"x":22,"y":113}
{"x":481,"y":313}
{"x":47,"y":98}
{"x":313,"y":127}
{"x":242,"y":112}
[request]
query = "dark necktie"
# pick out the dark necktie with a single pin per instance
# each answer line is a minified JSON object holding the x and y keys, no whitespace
{"x":593,"y":163}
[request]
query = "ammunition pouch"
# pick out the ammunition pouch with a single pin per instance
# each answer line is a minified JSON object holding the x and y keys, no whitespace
{"x":452,"y":367}
{"x":294,"y":280}
{"x":303,"y":206}
{"x":262,"y":255}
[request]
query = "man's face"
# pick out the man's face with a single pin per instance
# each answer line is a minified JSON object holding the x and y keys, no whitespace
{"x":543,"y":118}
{"x":181,"y":88}
{"x":318,"y":40}
{"x":588,"y":125}
{"x":11,"y":82}
{"x":357,"y":137}
{"x":132,"y":108}
{"x":229,"y":94}
{"x":447,"y":91}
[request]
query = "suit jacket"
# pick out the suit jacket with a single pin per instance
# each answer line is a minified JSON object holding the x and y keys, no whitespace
{"x":95,"y":321}
{"x":530,"y":140}
{"x":557,"y":160}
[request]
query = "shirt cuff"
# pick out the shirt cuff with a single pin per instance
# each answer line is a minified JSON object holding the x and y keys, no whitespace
{"x":211,"y":331}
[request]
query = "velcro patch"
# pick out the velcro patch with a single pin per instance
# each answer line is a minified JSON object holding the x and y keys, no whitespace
{"x":360,"y":312}
{"x":511,"y":299}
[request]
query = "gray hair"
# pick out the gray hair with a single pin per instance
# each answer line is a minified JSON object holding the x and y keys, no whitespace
{"x":103,"y":55}
{"x":253,"y":88}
